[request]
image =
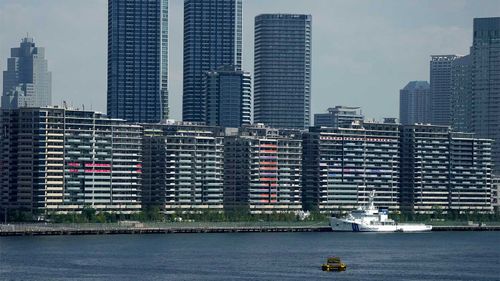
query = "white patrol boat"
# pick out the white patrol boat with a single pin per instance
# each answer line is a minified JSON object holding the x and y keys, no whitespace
{"x":369,"y":219}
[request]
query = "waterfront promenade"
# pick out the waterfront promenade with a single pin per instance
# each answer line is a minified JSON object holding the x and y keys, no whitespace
{"x":37,"y":229}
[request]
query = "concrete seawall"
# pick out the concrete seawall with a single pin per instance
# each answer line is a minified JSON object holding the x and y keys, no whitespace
{"x":54,"y":230}
{"x":466,"y":228}
{"x":166,"y":230}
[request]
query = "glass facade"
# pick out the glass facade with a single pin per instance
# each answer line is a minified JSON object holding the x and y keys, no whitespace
{"x":27,"y":81}
{"x":283,"y":70}
{"x":441,"y":85}
{"x":485,"y":70}
{"x":138,"y":60}
{"x":228,"y":97}
{"x":212,"y":38}
{"x":461,"y":84}
{"x":414,"y":103}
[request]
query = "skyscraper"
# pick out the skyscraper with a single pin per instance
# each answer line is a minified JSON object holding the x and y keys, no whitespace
{"x":485,"y":71}
{"x":212,"y":38}
{"x":138,"y":60}
{"x":414,"y":103}
{"x":440,"y":80}
{"x":283,"y":45}
{"x":228,"y":95}
{"x":461,"y":94}
{"x":27,"y":81}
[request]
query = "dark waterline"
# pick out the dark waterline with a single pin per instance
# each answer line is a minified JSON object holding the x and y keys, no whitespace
{"x":253,"y":256}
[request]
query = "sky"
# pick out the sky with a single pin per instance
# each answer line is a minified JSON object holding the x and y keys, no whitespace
{"x":364,"y":51}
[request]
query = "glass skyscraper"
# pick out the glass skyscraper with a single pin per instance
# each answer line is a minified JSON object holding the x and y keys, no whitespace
{"x":212,"y":38}
{"x":138,"y":60}
{"x":441,"y":89}
{"x":228,"y":94}
{"x":27,"y":81}
{"x":282,"y":89}
{"x":414,"y":103}
{"x":485,"y":53}
{"x":461,"y":94}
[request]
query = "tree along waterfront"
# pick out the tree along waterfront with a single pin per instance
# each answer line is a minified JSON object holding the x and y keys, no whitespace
{"x":154,"y":215}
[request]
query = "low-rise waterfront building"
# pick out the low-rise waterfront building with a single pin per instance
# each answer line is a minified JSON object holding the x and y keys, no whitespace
{"x":445,"y":171}
{"x":263,"y":170}
{"x":63,"y":160}
{"x":342,"y":166}
{"x":183,"y":167}
{"x":495,"y":194}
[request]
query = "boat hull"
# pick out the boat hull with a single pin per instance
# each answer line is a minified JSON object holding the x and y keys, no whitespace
{"x":352,"y":226}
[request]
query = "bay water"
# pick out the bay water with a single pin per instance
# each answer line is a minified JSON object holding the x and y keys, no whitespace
{"x":253,"y":256}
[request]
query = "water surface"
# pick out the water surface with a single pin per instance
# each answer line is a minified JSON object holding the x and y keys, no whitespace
{"x":253,"y":256}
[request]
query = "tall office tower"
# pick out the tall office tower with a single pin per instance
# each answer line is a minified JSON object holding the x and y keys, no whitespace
{"x":444,"y":170}
{"x":283,"y":45}
{"x":62,"y":160}
{"x":183,"y":167}
{"x":461,"y":94}
{"x":228,"y":93}
{"x":414,"y":103}
{"x":343,"y":165}
{"x":212,"y":38}
{"x":263,"y":170}
{"x":27,"y":81}
{"x":138,"y":60}
{"x":440,"y":80}
{"x":485,"y":54}
{"x":339,"y":116}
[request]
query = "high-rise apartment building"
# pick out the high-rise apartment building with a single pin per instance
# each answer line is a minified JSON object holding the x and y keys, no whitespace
{"x":183,"y":167}
{"x":339,"y":116}
{"x":62,"y":160}
{"x":282,"y":88}
{"x":343,"y":165}
{"x":228,"y":94}
{"x":27,"y":81}
{"x":485,"y":73}
{"x":263,"y":170}
{"x":461,"y":94}
{"x":444,"y":170}
{"x":440,"y":84}
{"x":414,"y":103}
{"x":212,"y":38}
{"x":138,"y":60}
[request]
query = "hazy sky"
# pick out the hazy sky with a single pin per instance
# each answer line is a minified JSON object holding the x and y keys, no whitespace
{"x":363,"y":51}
